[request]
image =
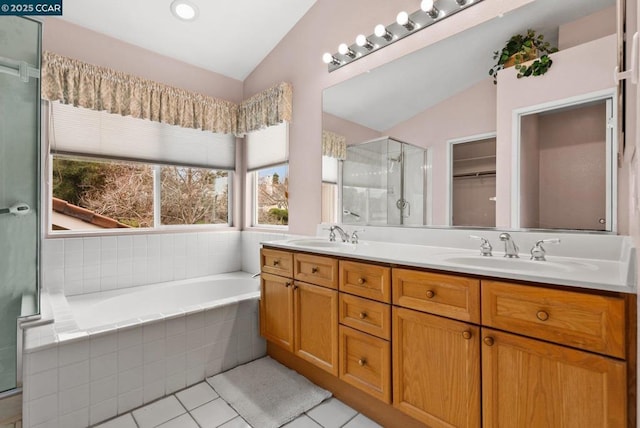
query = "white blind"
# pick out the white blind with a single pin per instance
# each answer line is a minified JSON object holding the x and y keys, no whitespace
{"x":84,"y":131}
{"x":329,"y":169}
{"x":268,"y":146}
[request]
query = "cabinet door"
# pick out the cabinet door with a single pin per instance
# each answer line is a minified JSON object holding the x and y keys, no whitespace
{"x":316,"y":325}
{"x":276,"y":310}
{"x":529,"y":383}
{"x":436,"y":369}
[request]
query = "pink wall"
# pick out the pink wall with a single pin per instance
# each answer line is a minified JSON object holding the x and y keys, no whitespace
{"x":297,"y":59}
{"x":353,"y":132}
{"x":592,"y":27}
{"x":561,"y":82}
{"x":529,"y":172}
{"x":80,"y":43}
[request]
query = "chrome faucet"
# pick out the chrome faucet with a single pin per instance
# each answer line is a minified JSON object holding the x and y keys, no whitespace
{"x":332,"y":233}
{"x":354,"y":236}
{"x":510,"y":247}
{"x":538,"y":251}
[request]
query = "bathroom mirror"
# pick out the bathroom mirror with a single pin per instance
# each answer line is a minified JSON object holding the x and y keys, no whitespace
{"x":442,"y":96}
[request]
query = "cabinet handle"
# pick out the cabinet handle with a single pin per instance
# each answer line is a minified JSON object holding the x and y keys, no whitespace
{"x":466,"y":334}
{"x":276,"y":262}
{"x":542,"y":315}
{"x":362,"y":362}
{"x":314,"y":269}
{"x":287,"y":284}
{"x":295,"y":287}
{"x":488,"y":341}
{"x":361,"y":281}
{"x":430,"y":294}
{"x":363,"y":315}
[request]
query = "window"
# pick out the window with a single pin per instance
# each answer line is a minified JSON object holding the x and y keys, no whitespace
{"x":268,"y":169}
{"x":91,"y":194}
{"x":272,"y":196}
{"x":111,"y":171}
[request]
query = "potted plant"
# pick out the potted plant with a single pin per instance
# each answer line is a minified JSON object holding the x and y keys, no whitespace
{"x":520,"y":49}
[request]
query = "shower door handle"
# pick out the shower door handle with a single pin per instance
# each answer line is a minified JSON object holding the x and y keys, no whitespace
{"x":19,"y":208}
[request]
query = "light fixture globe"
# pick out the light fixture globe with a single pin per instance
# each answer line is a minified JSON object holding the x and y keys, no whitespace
{"x":402,"y":18}
{"x":343,"y":49}
{"x":184,"y":10}
{"x":426,"y":5}
{"x":327,"y":58}
{"x":380,"y":30}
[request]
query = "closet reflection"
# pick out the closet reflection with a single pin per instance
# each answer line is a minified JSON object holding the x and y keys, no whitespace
{"x":383,"y":183}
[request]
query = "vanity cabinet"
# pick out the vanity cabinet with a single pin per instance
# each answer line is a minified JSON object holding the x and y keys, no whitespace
{"x":301,"y":317}
{"x":448,"y":350}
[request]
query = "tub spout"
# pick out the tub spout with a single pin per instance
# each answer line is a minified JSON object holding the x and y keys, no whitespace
{"x":255,"y":275}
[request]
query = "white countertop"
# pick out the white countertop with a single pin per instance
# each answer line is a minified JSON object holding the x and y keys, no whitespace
{"x":601,"y":274}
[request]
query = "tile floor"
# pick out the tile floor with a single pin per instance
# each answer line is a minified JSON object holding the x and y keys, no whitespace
{"x":201,"y":407}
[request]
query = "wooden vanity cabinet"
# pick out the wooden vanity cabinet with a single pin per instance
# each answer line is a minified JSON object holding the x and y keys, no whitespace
{"x":531,"y":383}
{"x":276,"y":310}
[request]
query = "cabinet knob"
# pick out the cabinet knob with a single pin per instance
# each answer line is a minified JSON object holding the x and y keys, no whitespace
{"x":361,"y":281}
{"x":542,"y":315}
{"x":430,"y":294}
{"x":295,"y":287}
{"x":314,"y":269}
{"x":363,"y":315}
{"x":276,"y":262}
{"x":287,"y":284}
{"x":488,"y":341}
{"x":466,"y":334}
{"x":362,"y":362}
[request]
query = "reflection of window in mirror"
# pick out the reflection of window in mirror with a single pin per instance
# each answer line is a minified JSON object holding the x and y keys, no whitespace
{"x":473,"y":182}
{"x":566,"y":164}
{"x":330,"y":197}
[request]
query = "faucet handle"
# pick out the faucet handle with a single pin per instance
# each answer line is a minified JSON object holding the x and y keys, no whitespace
{"x":485,"y":245}
{"x":538,"y":252}
{"x":354,"y":235}
{"x":332,"y":233}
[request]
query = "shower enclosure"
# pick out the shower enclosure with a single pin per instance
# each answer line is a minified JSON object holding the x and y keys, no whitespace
{"x":383,"y":183}
{"x":19,"y":186}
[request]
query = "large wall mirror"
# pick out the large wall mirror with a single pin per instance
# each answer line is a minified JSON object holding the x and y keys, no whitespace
{"x":534,"y":152}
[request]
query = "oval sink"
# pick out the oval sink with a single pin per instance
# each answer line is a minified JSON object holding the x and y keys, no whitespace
{"x":319,"y":243}
{"x":509,"y":264}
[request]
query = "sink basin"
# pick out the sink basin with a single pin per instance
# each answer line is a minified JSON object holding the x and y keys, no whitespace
{"x":319,"y":243}
{"x":510,"y":264}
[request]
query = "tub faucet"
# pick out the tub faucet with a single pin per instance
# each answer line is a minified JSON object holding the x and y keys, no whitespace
{"x":255,"y":275}
{"x":510,"y":247}
{"x":343,"y":235}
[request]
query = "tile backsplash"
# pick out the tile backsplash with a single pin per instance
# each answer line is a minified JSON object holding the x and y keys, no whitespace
{"x":91,"y":264}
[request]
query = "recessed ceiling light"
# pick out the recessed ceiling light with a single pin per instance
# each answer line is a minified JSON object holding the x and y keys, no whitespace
{"x":184,"y":10}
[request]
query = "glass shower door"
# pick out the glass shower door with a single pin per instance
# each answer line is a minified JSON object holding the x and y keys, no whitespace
{"x":19,"y":188}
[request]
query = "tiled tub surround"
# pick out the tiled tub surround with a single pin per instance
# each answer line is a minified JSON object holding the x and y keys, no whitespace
{"x":74,"y":377}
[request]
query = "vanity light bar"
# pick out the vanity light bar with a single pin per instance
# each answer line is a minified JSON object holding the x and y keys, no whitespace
{"x":405,"y":25}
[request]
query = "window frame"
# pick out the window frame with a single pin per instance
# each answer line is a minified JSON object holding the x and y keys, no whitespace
{"x":254,"y":199}
{"x":157,"y":194}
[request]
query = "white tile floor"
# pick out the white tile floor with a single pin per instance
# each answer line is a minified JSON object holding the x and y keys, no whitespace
{"x":200,"y":406}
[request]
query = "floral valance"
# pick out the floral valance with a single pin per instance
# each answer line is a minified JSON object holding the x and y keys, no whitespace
{"x":99,"y":88}
{"x":267,"y":108}
{"x":334,"y":145}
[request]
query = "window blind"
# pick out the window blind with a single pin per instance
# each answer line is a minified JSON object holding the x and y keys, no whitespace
{"x":76,"y":130}
{"x":329,"y":169}
{"x":267,"y":147}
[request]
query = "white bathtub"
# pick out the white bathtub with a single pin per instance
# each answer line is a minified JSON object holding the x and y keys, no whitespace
{"x":115,"y":351}
{"x":139,"y":304}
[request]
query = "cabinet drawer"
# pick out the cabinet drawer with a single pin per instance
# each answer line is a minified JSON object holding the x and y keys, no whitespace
{"x":366,"y":315}
{"x":366,"y":280}
{"x":276,"y":262}
{"x":316,"y":270}
{"x":447,"y":295}
{"x":586,"y":321}
{"x":365,"y":362}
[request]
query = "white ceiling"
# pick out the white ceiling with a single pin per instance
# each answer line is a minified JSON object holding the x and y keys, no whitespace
{"x":401,"y":89}
{"x":229,"y":37}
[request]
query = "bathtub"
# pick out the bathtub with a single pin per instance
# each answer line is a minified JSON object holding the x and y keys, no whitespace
{"x":118,"y":350}
{"x":144,"y":303}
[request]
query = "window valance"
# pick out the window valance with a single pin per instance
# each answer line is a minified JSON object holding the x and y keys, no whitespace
{"x":267,"y":108}
{"x":334,"y":145}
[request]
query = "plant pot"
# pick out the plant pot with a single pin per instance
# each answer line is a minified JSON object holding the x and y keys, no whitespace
{"x":521,"y":57}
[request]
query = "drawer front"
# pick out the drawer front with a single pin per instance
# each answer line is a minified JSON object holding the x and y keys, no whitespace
{"x":447,"y":295}
{"x":366,"y":280}
{"x":586,"y":321}
{"x":365,"y":362}
{"x":276,"y":262}
{"x":316,"y":270}
{"x":366,"y":315}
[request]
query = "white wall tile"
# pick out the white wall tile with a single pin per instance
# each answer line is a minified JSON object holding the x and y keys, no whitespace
{"x":104,"y":366}
{"x":153,"y":331}
{"x":130,"y":380}
{"x":73,"y":352}
{"x":74,"y":399}
{"x":77,"y":419}
{"x":42,"y":360}
{"x":104,"y":389}
{"x":103,"y":344}
{"x":103,"y":411}
{"x":43,"y":409}
{"x":73,"y":375}
{"x":129,"y":358}
{"x":129,"y":401}
{"x":43,"y":383}
{"x":129,"y":337}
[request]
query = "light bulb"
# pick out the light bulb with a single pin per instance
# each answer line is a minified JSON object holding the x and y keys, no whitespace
{"x":381,"y":31}
{"x":343,"y":48}
{"x":184,"y":10}
{"x":327,"y":58}
{"x":363,"y":42}
{"x":402,"y":18}
{"x":426,"y":5}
